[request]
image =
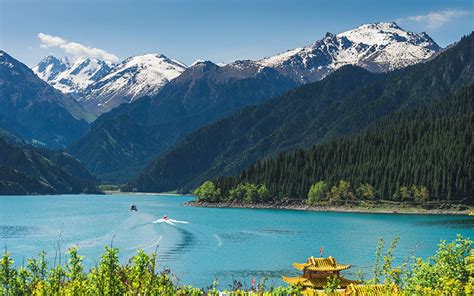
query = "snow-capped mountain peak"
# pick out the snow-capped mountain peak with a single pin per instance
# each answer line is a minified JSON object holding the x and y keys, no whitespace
{"x":72,"y":78}
{"x":50,"y":67}
{"x":81,"y":74}
{"x":377,"y":33}
{"x":377,"y":47}
{"x":135,"y":77}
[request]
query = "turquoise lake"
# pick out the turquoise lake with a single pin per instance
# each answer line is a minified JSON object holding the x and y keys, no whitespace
{"x":222,"y":244}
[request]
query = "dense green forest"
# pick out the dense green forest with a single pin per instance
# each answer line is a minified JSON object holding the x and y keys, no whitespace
{"x":426,"y":147}
{"x":344,"y":103}
{"x":28,"y":170}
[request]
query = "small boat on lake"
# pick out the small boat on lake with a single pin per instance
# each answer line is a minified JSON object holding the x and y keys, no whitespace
{"x":169,"y":221}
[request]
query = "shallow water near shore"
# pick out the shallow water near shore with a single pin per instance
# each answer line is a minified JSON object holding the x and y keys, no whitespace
{"x":223,"y":244}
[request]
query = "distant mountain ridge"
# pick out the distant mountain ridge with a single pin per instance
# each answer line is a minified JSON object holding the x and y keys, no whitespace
{"x":377,"y":47}
{"x":206,"y":92}
{"x":100,"y":87}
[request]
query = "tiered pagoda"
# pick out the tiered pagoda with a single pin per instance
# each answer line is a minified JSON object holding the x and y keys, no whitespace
{"x":316,"y":272}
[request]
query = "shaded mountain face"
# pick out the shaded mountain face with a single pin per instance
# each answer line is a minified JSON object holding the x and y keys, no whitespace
{"x":376,"y":47}
{"x":33,"y":110}
{"x":344,"y":103}
{"x":29,"y":170}
{"x":203,"y":93}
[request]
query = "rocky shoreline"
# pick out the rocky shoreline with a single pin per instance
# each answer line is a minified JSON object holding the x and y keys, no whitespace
{"x":301,"y":206}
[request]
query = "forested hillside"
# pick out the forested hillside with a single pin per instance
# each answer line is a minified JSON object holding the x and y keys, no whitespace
{"x":431,"y":147}
{"x":29,"y":170}
{"x":344,"y":103}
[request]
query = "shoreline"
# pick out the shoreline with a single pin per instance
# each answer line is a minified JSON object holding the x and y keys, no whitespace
{"x":301,"y":206}
{"x":118,"y":192}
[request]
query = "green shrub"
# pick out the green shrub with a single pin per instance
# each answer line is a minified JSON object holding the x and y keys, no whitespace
{"x":448,"y":272}
{"x":316,"y":193}
{"x":208,"y":192}
{"x":248,"y":193}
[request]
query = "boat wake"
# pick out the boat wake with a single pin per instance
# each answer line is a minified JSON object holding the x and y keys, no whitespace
{"x":169,"y":221}
{"x":219,"y":240}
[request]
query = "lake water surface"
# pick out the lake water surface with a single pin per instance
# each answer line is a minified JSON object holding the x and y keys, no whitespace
{"x":226,"y":244}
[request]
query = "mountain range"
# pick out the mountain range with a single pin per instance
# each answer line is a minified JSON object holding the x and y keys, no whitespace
{"x":172,"y":126}
{"x":72,"y":78}
{"x":344,"y":103}
{"x":206,"y":92}
{"x":100,"y":87}
{"x":377,"y":47}
{"x":121,"y":142}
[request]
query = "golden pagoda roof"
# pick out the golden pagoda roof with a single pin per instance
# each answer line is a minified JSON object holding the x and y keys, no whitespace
{"x":321,"y":264}
{"x":317,"y":283}
{"x":354,"y":290}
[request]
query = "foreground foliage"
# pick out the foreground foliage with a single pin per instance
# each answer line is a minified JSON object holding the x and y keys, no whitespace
{"x":449,"y":272}
{"x":25,"y":169}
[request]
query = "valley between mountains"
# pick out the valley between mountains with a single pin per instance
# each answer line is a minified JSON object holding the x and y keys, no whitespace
{"x":373,"y":105}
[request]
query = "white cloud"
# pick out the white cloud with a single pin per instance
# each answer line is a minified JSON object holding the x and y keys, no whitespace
{"x":75,"y":49}
{"x":434,"y":19}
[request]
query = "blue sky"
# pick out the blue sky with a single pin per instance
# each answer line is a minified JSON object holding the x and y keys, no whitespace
{"x":218,"y":30}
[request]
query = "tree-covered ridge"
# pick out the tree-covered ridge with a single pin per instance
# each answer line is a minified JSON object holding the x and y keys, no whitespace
{"x":29,"y":170}
{"x":430,"y":146}
{"x":344,"y":103}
